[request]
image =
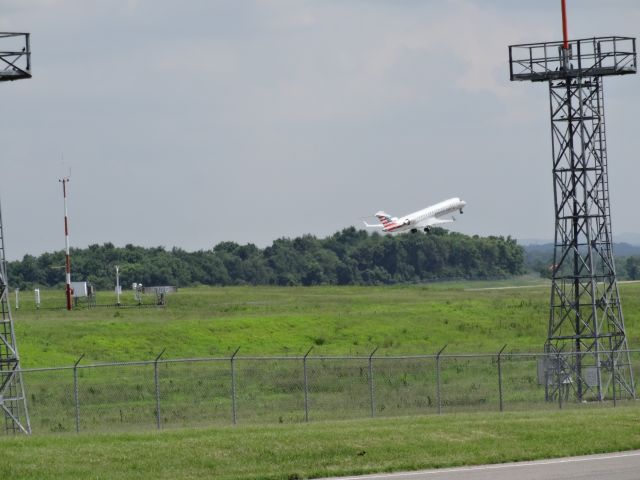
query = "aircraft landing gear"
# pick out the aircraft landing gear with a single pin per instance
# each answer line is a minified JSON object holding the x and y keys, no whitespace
{"x":427,"y":229}
{"x":414,"y":230}
{"x":461,"y":212}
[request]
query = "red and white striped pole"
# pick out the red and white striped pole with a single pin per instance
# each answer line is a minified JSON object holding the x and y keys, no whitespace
{"x":566,"y":48}
{"x":565,"y":30}
{"x":66,"y":242}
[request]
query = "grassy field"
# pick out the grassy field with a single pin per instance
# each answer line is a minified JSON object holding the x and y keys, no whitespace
{"x":322,"y":449}
{"x":204,"y":321}
{"x":209,"y":321}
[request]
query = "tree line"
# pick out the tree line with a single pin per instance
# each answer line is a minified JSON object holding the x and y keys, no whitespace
{"x":539,"y":259}
{"x":348,"y":257}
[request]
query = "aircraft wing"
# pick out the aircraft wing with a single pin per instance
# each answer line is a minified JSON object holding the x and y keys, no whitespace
{"x":443,"y":220}
{"x":429,"y":222}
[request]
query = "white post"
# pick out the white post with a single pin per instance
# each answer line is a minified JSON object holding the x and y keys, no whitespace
{"x":117,"y":285}
{"x":17,"y":298}
{"x":37,"y":294}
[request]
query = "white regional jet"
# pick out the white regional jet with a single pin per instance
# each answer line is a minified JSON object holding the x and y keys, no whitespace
{"x":421,"y":220}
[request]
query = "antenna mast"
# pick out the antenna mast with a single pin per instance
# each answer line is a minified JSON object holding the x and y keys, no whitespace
{"x":64,"y":182}
{"x":565,"y":30}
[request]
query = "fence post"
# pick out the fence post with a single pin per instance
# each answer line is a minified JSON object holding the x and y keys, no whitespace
{"x":306,"y":385}
{"x":559,"y":387}
{"x":500,"y":375}
{"x":75,"y":392}
{"x":438,"y":378}
{"x":157,"y":382}
{"x":613,"y":378}
{"x":233,"y":386}
{"x":371,"y":389}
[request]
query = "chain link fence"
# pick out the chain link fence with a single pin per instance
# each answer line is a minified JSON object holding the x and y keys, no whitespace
{"x":164,"y":393}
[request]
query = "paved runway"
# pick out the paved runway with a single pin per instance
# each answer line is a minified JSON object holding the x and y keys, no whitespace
{"x":618,"y":466}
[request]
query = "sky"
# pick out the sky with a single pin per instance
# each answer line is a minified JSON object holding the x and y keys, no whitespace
{"x":188,"y":123}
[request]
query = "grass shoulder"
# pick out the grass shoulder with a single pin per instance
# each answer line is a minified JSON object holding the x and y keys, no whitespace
{"x":324,"y":448}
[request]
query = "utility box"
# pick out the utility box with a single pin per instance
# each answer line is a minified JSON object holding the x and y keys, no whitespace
{"x":80,"y":289}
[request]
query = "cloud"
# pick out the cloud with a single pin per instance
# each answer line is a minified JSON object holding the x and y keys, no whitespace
{"x":290,"y":106}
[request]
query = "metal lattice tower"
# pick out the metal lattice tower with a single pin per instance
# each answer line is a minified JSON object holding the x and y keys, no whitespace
{"x":586,"y":335}
{"x":15,"y":64}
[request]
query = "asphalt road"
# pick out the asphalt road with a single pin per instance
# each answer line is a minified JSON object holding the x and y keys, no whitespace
{"x":615,"y":466}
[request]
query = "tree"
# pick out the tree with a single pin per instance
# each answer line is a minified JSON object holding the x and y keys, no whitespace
{"x":348,"y":257}
{"x":632,"y":266}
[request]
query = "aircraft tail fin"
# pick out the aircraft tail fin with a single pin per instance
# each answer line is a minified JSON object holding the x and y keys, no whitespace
{"x":385,"y":218}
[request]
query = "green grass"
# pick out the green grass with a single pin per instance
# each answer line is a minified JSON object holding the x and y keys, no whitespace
{"x":340,"y":321}
{"x":208,"y":321}
{"x":287,"y":321}
{"x":322,"y":449}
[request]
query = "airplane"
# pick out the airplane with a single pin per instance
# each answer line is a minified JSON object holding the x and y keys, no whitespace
{"x":421,"y":220}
